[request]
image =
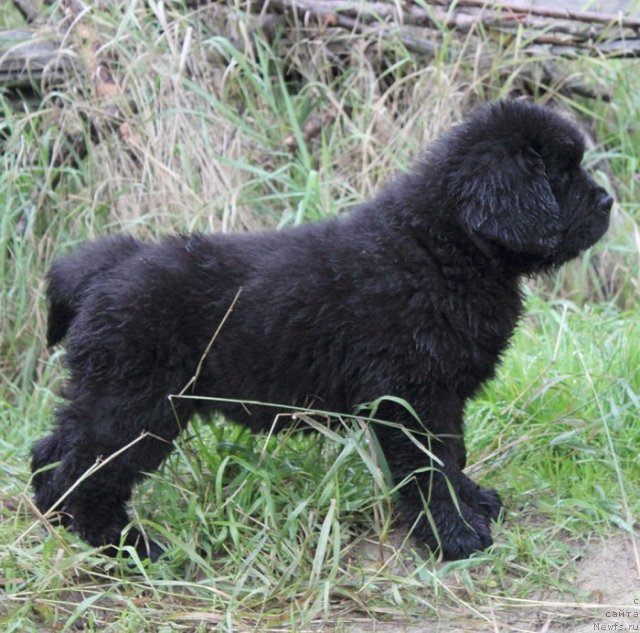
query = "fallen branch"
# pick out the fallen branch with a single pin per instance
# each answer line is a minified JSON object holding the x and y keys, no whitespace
{"x":591,"y":17}
{"x":568,"y":31}
{"x":440,"y":12}
{"x":26,"y":54}
{"x":28,"y":9}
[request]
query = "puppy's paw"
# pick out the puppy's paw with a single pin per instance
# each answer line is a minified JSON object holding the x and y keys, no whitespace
{"x":155,"y":552}
{"x":457,"y":531}
{"x":110,"y":541}
{"x":490,"y":502}
{"x":483,"y":500}
{"x":145,"y":548}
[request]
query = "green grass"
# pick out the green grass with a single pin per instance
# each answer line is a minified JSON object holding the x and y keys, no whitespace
{"x":297,"y":531}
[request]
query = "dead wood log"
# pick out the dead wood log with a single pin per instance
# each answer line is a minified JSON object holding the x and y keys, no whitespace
{"x":569,"y":32}
{"x":591,"y":17}
{"x":25,"y":55}
{"x":29,"y":9}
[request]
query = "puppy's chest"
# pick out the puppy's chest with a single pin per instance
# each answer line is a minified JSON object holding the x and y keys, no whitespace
{"x":467,"y":331}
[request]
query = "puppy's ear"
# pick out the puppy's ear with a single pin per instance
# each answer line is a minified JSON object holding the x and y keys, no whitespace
{"x":508,"y":202}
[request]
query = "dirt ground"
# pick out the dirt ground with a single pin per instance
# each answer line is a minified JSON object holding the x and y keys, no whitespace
{"x":607,"y":598}
{"x":609,"y":572}
{"x":608,"y":576}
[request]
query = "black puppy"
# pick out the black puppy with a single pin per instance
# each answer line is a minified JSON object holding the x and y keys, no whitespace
{"x":413,"y":294}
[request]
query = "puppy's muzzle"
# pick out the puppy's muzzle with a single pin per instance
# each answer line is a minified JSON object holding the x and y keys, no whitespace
{"x":603,"y":201}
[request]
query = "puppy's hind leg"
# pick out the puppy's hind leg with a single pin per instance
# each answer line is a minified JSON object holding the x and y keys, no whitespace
{"x":46,"y":454}
{"x":104,"y":445}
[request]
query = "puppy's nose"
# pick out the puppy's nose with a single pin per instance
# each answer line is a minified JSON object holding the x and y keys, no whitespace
{"x":604,"y":200}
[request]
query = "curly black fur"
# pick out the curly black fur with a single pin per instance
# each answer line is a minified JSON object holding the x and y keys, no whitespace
{"x":413,"y":294}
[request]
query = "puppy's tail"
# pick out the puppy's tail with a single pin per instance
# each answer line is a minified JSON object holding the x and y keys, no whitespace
{"x":70,"y":276}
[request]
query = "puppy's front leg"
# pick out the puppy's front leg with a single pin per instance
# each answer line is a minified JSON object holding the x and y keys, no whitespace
{"x":451,"y":512}
{"x":488,"y":499}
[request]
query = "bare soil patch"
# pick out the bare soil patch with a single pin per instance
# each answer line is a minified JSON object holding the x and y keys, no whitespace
{"x":605,"y":596}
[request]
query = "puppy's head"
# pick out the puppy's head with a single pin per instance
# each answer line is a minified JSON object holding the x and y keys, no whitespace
{"x":518,"y":186}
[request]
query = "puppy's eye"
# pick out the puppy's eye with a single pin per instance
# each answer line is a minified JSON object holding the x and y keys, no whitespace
{"x":561,"y":179}
{"x":574,"y":155}
{"x":568,"y":153}
{"x":576,"y":160}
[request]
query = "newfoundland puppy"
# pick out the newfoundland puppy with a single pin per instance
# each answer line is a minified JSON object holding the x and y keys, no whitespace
{"x":413,"y":294}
